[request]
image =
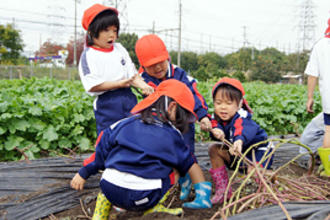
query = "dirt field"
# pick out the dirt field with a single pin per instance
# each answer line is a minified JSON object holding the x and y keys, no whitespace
{"x":86,"y":212}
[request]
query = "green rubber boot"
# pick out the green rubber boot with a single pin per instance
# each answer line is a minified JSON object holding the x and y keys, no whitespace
{"x":161,"y":208}
{"x":102,"y":208}
{"x":325,"y":159}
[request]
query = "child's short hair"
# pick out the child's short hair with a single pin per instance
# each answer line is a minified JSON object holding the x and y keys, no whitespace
{"x":101,"y":22}
{"x":159,"y":109}
{"x":230,"y":92}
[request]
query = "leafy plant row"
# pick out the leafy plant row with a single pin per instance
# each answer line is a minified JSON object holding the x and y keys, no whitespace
{"x":44,"y":116}
{"x":41,"y":117}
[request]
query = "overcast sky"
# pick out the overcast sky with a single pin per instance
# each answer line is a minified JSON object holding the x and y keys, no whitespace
{"x":207,"y":25}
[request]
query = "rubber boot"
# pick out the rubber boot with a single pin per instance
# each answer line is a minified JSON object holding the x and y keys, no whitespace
{"x":185,"y":184}
{"x":202,"y":200}
{"x":325,"y":159}
{"x":102,"y":208}
{"x":161,"y":208}
{"x":220,"y":179}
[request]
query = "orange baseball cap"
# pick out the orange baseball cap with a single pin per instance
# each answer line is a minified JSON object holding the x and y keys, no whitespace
{"x":327,"y":31}
{"x":92,"y":12}
{"x":174,"y":89}
{"x":230,"y":81}
{"x":236,"y":84}
{"x":150,"y":49}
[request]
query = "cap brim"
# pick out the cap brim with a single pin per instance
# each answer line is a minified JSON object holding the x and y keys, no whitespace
{"x":145,"y":103}
{"x":156,"y":60}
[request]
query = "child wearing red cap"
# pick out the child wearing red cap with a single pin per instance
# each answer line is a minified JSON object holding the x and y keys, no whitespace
{"x":106,"y":69}
{"x":154,"y":60}
{"x":318,"y":70}
{"x":107,"y":72}
{"x":232,"y":121}
{"x":142,"y":156}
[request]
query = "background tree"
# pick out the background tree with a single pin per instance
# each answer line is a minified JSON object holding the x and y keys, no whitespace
{"x":242,"y":59}
{"x":11,"y":44}
{"x":210,"y":66}
{"x":79,"y":47}
{"x":264,"y":69}
{"x":188,"y":60}
{"x":49,"y":48}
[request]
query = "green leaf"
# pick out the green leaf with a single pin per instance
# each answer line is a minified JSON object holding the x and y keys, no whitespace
{"x":44,"y":144}
{"x":77,"y":130}
{"x":65,"y":143}
{"x":29,"y":154}
{"x":3,"y":106}
{"x":21,"y":125}
{"x":5,"y":116}
{"x":84,"y":143}
{"x":50,"y":134}
{"x":12,"y":142}
{"x":78,"y":118}
{"x":2,"y":130}
{"x":37,"y":124}
{"x":34,"y":110}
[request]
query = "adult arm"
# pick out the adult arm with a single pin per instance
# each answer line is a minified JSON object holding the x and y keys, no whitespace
{"x":311,"y":83}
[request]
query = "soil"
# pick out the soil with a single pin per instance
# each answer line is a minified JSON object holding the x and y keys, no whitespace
{"x":85,"y":212}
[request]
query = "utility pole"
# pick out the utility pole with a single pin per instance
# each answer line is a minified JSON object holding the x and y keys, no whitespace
{"x":153,"y":27}
{"x":179,"y":41}
{"x":245,"y":42}
{"x":307,"y":24}
{"x":121,"y":6}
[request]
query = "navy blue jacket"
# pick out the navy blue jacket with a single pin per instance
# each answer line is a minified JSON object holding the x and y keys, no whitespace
{"x":241,"y":127}
{"x":149,"y":151}
{"x":179,"y":74}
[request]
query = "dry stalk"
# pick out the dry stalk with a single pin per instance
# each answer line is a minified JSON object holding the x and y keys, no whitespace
{"x":270,"y":190}
{"x":84,"y":210}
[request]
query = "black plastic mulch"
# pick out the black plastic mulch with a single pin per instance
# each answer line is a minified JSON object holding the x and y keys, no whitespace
{"x":41,"y":187}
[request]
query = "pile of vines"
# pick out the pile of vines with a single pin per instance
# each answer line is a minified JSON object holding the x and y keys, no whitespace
{"x":272,"y":188}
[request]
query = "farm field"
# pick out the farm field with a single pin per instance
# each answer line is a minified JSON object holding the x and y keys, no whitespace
{"x":46,"y":117}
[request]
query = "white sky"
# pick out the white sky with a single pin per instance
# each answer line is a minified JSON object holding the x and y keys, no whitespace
{"x":207,"y":25}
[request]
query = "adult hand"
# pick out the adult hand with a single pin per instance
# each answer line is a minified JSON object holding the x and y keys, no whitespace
{"x":237,"y":148}
{"x":309,"y":105}
{"x":77,"y":182}
{"x":205,"y":124}
{"x":218,"y":133}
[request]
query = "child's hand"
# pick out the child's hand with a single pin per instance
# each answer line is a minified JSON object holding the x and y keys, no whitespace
{"x":237,"y":148}
{"x":218,"y":133}
{"x":205,"y":124}
{"x":77,"y":182}
{"x":147,"y":90}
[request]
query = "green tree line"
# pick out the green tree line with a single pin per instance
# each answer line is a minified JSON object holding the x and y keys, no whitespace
{"x":246,"y":64}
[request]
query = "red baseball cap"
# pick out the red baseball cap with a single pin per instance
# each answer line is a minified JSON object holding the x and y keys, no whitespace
{"x":327,"y":31}
{"x":230,"y":81}
{"x":236,"y":84}
{"x":174,"y":89}
{"x":92,"y":12}
{"x":150,"y":49}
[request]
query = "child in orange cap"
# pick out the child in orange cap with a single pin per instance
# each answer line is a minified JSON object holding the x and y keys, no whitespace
{"x":142,"y":156}
{"x":107,"y":72}
{"x":232,"y":121}
{"x":154,"y":59}
{"x":106,"y":69}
